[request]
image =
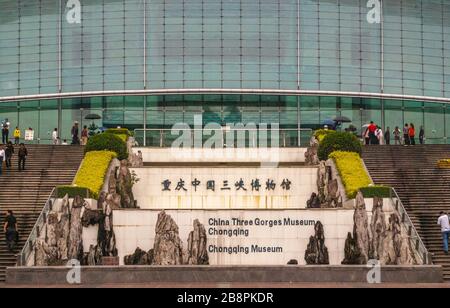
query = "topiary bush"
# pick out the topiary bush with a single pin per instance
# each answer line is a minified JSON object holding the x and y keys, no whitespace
{"x":118,"y":131}
{"x":72,"y":191}
{"x":107,"y":142}
{"x":376,"y":191}
{"x":339,"y":141}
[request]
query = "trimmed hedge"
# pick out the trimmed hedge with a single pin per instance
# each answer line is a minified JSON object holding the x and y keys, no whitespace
{"x":72,"y":191}
{"x":119,"y":131}
{"x":352,"y":172}
{"x":107,"y":142}
{"x":376,"y":191}
{"x":321,"y":133}
{"x":92,"y":172}
{"x":339,"y":141}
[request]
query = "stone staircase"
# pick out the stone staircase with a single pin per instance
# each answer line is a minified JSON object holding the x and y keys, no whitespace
{"x":26,"y":192}
{"x":423,"y":188}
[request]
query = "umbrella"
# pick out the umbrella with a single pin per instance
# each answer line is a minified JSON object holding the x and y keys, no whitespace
{"x":342,"y":119}
{"x":92,"y":116}
{"x":329,"y":122}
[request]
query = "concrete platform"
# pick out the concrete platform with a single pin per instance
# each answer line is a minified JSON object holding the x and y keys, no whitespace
{"x":213,"y":275}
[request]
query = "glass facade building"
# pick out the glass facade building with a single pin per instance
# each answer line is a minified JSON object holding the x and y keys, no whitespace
{"x":153,"y":63}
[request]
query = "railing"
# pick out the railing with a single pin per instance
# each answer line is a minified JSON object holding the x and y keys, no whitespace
{"x":245,"y":137}
{"x":27,"y":250}
{"x":412,"y":232}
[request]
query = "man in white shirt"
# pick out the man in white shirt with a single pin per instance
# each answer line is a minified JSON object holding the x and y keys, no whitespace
{"x":445,"y":229}
{"x":55,"y":136}
{"x":2,"y":157}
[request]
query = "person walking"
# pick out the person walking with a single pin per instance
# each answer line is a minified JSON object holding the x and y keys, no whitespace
{"x":2,"y":158}
{"x":9,"y":151}
{"x":422,"y":135}
{"x":5,"y":131}
{"x":55,"y":136}
{"x":406,"y":140}
{"x":11,"y":230}
{"x":445,"y":230}
{"x":396,"y":134}
{"x":372,"y":133}
{"x":412,"y":134}
{"x":379,"y":134}
{"x":387,"y":136}
{"x":84,"y":135}
{"x":75,"y":133}
{"x":17,"y":136}
{"x":23,"y":153}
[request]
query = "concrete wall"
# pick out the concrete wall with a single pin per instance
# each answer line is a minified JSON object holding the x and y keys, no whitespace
{"x":230,"y":155}
{"x":136,"y":228}
{"x":150,"y":195}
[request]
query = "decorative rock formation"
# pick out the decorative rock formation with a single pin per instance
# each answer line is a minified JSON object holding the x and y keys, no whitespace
{"x":139,"y":257}
{"x":317,"y":252}
{"x":125,"y":186}
{"x":106,"y":238}
{"x":168,"y":248}
{"x":292,"y":262}
{"x":197,"y":252}
{"x":313,"y":202}
{"x":91,"y":217}
{"x":311,"y":157}
{"x":329,"y":196}
{"x":377,"y":228}
{"x":51,"y":249}
{"x":93,"y":257}
{"x":357,"y":246}
{"x":75,"y":245}
{"x":379,"y":240}
{"x":135,"y":159}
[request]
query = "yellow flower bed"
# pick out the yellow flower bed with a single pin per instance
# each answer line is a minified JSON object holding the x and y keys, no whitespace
{"x":93,"y":171}
{"x":443,"y":163}
{"x":352,"y":172}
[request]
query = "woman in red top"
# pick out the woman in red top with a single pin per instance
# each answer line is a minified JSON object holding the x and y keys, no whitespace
{"x":412,"y":134}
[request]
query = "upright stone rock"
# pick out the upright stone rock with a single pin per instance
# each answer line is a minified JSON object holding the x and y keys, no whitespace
{"x":357,"y":247}
{"x":75,"y":247}
{"x":106,"y":237}
{"x":168,"y":248}
{"x":197,"y":250}
{"x":317,"y":252}
{"x":313,"y":202}
{"x":136,"y":160}
{"x":378,"y":229}
{"x":125,"y":185}
{"x":311,"y":157}
{"x":63,"y":228}
{"x":361,"y":228}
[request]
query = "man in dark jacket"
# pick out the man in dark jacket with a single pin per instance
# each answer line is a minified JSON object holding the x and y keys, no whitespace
{"x":23,"y":153}
{"x":11,"y":230}
{"x":9,"y":151}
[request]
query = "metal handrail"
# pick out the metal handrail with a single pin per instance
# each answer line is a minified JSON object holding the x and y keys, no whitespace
{"x":23,"y":256}
{"x":412,"y":231}
{"x":225,"y":130}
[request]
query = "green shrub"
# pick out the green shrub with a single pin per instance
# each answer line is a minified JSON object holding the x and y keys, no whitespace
{"x":118,"y":131}
{"x":351,"y":169}
{"x":107,"y":142}
{"x":338,"y":141}
{"x":93,"y":170}
{"x":376,"y":191}
{"x":321,"y":133}
{"x":72,"y":191}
